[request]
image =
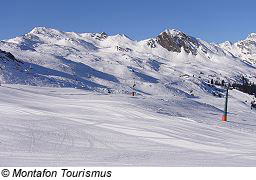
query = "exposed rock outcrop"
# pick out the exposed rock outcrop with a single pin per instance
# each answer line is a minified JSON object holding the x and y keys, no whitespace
{"x":174,"y":40}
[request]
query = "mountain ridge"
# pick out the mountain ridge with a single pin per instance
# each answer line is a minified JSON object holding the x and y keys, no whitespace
{"x":98,"y":61}
{"x":177,"y":39}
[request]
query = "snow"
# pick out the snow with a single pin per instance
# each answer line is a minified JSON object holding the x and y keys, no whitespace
{"x":66,"y":100}
{"x":244,"y":49}
{"x":71,"y":60}
{"x":173,"y":32}
{"x":252,"y":36}
{"x":72,"y":127}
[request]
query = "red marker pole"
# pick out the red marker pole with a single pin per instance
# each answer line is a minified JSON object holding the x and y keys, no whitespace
{"x":225,"y":114}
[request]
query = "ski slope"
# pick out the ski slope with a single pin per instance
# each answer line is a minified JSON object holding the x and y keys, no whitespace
{"x":43,"y":126}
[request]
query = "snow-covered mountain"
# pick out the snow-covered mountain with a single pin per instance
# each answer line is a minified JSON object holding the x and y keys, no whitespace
{"x":245,"y":49}
{"x":170,"y":62}
{"x":175,"y":121}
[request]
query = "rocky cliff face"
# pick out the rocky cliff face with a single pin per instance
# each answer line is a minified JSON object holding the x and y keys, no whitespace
{"x":174,"y":40}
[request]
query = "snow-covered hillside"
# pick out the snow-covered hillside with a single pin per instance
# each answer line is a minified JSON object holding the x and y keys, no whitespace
{"x":172,"y":61}
{"x":71,"y":127}
{"x":174,"y":119}
{"x":245,"y":49}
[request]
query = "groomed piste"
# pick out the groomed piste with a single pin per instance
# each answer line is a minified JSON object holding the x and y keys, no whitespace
{"x":72,"y":127}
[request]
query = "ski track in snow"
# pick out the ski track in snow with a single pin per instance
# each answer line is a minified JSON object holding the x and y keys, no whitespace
{"x":71,"y":127}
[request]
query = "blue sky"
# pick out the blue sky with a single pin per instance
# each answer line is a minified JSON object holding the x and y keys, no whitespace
{"x":213,"y":21}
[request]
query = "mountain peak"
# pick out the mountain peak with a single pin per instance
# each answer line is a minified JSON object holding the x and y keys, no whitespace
{"x":252,"y":36}
{"x":174,"y":40}
{"x":121,"y":36}
{"x":173,"y":32}
{"x":44,"y":31}
{"x":38,"y":30}
{"x":226,"y":44}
